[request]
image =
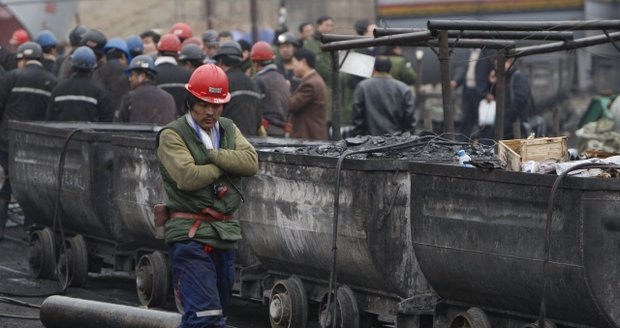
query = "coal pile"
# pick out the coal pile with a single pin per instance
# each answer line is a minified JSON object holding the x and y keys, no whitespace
{"x":429,"y":148}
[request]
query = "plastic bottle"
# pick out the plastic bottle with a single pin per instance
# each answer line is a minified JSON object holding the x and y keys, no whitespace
{"x":464,"y":159}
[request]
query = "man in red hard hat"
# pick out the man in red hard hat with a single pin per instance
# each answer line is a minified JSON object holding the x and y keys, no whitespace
{"x":8,"y":61}
{"x":19,"y":37}
{"x":181,"y":30}
{"x":170,"y":76}
{"x":202,"y":158}
{"x":275,"y":91}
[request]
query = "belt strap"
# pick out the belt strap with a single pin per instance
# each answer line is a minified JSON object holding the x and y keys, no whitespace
{"x":206,"y":215}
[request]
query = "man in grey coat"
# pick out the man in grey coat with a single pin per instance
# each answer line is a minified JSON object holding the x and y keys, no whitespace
{"x":381,"y":104}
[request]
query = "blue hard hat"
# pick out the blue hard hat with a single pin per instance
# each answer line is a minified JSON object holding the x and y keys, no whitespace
{"x":118,"y":44}
{"x":142,"y":62}
{"x":46,"y":39}
{"x":84,"y":58}
{"x":134,"y":44}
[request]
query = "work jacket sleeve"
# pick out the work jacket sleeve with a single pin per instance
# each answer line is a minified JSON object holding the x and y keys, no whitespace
{"x":105,"y":107}
{"x":241,"y":161}
{"x":178,"y":161}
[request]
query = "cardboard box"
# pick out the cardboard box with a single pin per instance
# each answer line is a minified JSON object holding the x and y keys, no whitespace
{"x":516,"y":151}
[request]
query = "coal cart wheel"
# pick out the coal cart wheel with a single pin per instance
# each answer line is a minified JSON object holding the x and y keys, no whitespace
{"x":74,"y":262}
{"x":472,"y":318}
{"x":152,"y":279}
{"x":548,"y":324}
{"x":347,"y":312}
{"x":288,"y":305}
{"x":41,"y":253}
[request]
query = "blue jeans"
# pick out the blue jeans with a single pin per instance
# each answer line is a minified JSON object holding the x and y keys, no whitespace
{"x":204,"y":282}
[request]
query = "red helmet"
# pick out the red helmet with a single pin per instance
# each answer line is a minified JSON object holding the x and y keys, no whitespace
{"x":181,"y":30}
{"x":19,"y":36}
{"x":209,"y":83}
{"x":261,"y":51}
{"x":169,"y":42}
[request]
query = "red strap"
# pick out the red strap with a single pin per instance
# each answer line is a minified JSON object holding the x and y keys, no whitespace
{"x":207,"y":215}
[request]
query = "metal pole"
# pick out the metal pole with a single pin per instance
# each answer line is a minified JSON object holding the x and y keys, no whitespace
{"x":500,"y":94}
{"x":444,"y":67}
{"x":335,"y":96}
{"x":575,"y":25}
{"x":419,"y":40}
{"x":209,"y":13}
{"x":67,"y":312}
{"x":505,"y":35}
{"x":254,"y":19}
{"x":327,"y":38}
{"x":558,"y":46}
{"x":369,"y":42}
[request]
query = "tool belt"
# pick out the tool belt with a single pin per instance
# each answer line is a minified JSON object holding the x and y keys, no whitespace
{"x":206,"y":215}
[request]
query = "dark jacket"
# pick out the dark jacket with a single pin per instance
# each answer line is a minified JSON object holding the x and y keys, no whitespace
{"x":275,"y":96}
{"x":383,"y":105}
{"x":172,"y":79}
{"x":146,"y":104}
{"x":483,"y":66}
{"x":80,"y":98}
{"x":24,"y":95}
{"x":308,"y":108}
{"x":113,"y":78}
{"x":7,"y":59}
{"x":516,"y":100}
{"x":243,"y":105}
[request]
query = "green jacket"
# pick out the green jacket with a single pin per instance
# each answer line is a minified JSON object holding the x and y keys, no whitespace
{"x":190,"y":171}
{"x":401,"y":70}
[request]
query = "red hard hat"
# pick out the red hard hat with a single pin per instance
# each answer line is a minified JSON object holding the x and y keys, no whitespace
{"x":19,"y":36}
{"x":209,"y":83}
{"x":181,"y":30}
{"x":169,"y":42}
{"x":261,"y":51}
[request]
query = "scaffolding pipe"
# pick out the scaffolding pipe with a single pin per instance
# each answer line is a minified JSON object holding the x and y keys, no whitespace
{"x":575,"y":25}
{"x":370,"y":42}
{"x":356,"y":42}
{"x":328,"y":38}
{"x":559,"y":46}
{"x":505,"y":35}
{"x":446,"y":91}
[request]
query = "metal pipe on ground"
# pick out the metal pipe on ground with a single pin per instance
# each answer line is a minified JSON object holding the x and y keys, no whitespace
{"x":67,"y":312}
{"x":497,"y":35}
{"x":576,"y":25}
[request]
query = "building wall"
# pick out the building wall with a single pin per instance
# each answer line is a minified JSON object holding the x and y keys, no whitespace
{"x":121,"y":17}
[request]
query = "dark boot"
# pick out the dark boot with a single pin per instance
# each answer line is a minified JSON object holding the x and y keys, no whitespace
{"x":4,"y":215}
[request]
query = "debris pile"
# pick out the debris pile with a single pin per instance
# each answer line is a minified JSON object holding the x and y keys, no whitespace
{"x":406,"y":147}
